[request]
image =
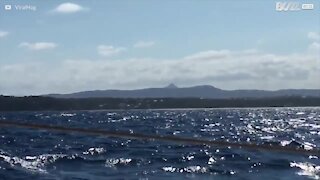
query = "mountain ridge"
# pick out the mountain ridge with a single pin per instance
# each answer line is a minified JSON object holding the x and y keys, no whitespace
{"x":200,"y":91}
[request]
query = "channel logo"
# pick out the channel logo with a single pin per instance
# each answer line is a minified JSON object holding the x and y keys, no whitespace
{"x":287,"y":6}
{"x":7,"y":7}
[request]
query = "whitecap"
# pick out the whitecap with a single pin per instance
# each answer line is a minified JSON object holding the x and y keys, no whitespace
{"x":32,"y":163}
{"x":169,"y":169}
{"x":211,"y":160}
{"x":67,"y":114}
{"x":115,"y":161}
{"x":93,"y":151}
{"x":285,"y":143}
{"x":266,"y":137}
{"x":307,"y":169}
{"x":313,"y":157}
{"x":195,"y":169}
{"x":300,"y":113}
{"x":176,"y":132}
{"x":31,"y":157}
{"x":189,"y":169}
{"x":308,"y":146}
{"x":189,"y":158}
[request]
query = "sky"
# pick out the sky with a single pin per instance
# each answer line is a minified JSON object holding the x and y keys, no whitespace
{"x":72,"y":46}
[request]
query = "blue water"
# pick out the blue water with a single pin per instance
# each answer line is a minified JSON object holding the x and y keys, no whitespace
{"x":34,"y":154}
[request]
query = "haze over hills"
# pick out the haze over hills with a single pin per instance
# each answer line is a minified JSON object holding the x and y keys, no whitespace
{"x":203,"y":91}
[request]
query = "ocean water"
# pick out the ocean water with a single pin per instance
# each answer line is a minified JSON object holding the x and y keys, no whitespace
{"x":41,"y":154}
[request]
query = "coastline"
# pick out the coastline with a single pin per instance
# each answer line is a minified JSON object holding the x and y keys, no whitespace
{"x":38,"y":103}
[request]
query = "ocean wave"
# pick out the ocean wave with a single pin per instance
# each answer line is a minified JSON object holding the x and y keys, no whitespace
{"x":307,"y":169}
{"x":112,"y":162}
{"x":294,"y":143}
{"x":31,"y":163}
{"x":188,"y":169}
{"x":39,"y":163}
{"x":67,"y":114}
{"x":197,"y":169}
{"x":59,"y":155}
{"x":93,"y":151}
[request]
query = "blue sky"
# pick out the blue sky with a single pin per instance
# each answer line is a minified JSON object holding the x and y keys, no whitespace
{"x":98,"y":33}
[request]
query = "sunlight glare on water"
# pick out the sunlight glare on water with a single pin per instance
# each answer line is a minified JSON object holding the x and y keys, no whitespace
{"x":44,"y":154}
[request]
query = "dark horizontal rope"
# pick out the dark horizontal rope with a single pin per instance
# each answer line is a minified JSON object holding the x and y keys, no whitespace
{"x":175,"y":139}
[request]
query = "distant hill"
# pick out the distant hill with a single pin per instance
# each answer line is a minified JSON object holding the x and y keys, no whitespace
{"x":204,"y":91}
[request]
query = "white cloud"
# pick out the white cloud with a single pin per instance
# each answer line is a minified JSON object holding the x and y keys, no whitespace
{"x":227,"y":69}
{"x":315,"y":36}
{"x":211,"y":54}
{"x":38,"y":45}
{"x":3,"y":34}
{"x":315,"y":46}
{"x":234,"y":70}
{"x":143,"y":44}
{"x":106,"y":50}
{"x":68,"y":8}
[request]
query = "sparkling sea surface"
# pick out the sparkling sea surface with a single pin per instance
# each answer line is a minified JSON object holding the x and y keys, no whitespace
{"x":41,"y":154}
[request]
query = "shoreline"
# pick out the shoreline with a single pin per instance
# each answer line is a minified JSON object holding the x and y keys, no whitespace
{"x":14,"y":104}
{"x":166,"y":109}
